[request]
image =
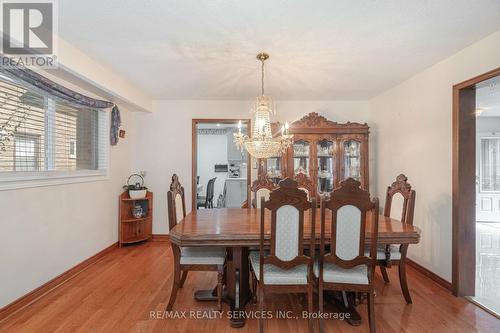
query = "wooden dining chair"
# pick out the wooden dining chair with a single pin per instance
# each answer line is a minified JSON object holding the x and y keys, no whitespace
{"x":392,"y":254}
{"x":207,"y":200}
{"x":190,"y":258}
{"x":345,"y":267}
{"x":286,"y":267}
{"x":261,"y":187}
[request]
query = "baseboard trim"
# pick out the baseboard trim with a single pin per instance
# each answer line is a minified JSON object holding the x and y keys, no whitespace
{"x":44,"y":289}
{"x":160,"y":238}
{"x":431,"y":275}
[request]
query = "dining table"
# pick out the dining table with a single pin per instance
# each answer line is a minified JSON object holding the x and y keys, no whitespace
{"x":238,"y":230}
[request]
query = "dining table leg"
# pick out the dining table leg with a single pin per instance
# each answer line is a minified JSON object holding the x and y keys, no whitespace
{"x":237,"y":288}
{"x":237,"y":284}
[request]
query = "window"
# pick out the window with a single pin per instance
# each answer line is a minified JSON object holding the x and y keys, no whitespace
{"x":490,"y":164}
{"x":26,"y":152}
{"x":41,"y":138}
{"x":72,"y":148}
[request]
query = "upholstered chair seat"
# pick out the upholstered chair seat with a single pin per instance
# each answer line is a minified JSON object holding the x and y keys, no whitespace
{"x":336,"y":274}
{"x":203,"y":256}
{"x":394,"y":250}
{"x":274,"y":275}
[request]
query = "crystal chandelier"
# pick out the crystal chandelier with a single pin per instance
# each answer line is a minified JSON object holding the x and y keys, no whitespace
{"x":262,"y":144}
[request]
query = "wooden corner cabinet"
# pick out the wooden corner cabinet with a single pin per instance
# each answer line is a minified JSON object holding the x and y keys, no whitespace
{"x":322,"y":155}
{"x":135,"y":229}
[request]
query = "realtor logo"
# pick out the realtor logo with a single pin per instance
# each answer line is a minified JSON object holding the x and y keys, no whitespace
{"x":28,"y":29}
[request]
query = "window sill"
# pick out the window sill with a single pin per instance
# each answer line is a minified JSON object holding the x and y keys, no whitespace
{"x":14,"y":181}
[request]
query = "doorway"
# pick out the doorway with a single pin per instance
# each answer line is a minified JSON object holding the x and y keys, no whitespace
{"x":487,"y":285}
{"x":476,"y":188}
{"x":220,"y":171}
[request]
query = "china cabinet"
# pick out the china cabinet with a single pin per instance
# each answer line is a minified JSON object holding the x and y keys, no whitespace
{"x":323,"y":154}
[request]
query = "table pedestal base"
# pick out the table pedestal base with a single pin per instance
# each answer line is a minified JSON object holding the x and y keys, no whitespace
{"x":205,"y":295}
{"x":336,"y":300}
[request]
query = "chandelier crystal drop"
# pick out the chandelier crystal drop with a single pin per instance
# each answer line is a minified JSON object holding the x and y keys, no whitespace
{"x":262,"y":144}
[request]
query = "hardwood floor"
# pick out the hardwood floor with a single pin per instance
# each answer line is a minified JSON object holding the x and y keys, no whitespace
{"x":118,"y":294}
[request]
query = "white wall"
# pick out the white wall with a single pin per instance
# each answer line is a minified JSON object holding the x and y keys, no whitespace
{"x":488,"y":125}
{"x":163,"y":142}
{"x":212,"y":149}
{"x":48,"y":230}
{"x":412,"y":134}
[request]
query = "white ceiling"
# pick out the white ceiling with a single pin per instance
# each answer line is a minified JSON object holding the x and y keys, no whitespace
{"x":319,"y":49}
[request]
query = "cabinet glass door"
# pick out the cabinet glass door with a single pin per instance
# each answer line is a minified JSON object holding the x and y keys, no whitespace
{"x":301,"y":149}
{"x":352,"y":159}
{"x":326,"y":165}
{"x":274,"y":168}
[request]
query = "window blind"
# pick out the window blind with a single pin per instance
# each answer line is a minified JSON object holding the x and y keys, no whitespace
{"x":38,"y":133}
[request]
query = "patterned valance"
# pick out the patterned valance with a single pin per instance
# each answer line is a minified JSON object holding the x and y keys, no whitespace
{"x":40,"y":83}
{"x":212,"y":131}
{"x":43,"y":85}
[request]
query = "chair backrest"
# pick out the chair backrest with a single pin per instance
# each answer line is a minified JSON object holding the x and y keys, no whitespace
{"x":176,"y":203}
{"x":261,"y":187}
{"x":402,"y":187}
{"x":304,"y":183}
{"x":210,"y":189}
{"x":349,"y":206}
{"x":287,"y":205}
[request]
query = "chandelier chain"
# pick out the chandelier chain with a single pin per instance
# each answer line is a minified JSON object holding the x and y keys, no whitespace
{"x":262,"y":77}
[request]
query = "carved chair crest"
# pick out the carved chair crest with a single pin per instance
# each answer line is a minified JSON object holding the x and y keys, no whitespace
{"x":303,"y":181}
{"x":288,"y":193}
{"x":262,"y":181}
{"x":175,"y":185}
{"x":175,"y":201}
{"x":401,"y":186}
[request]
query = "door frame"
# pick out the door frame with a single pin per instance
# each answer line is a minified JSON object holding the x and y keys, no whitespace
{"x":464,"y":184}
{"x":194,"y":152}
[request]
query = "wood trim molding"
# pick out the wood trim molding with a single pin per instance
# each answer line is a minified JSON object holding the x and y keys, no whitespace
{"x":160,"y":238}
{"x":463,"y":184}
{"x":59,"y":280}
{"x":431,"y":275}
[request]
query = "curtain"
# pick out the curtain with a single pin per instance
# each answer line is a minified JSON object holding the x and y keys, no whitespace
{"x":44,"y":85}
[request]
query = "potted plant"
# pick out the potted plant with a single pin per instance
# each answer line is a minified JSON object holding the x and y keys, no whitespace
{"x":135,"y":187}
